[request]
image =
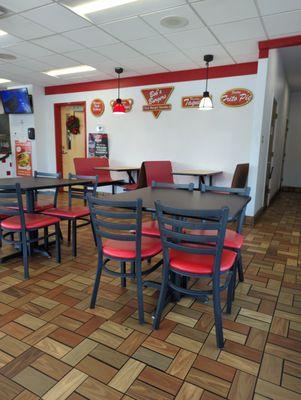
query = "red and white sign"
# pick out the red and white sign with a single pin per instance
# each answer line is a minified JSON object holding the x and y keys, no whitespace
{"x":191,"y":101}
{"x":157,"y":99}
{"x":23,"y":152}
{"x":128,"y":104}
{"x":236,"y":97}
{"x":97,"y":107}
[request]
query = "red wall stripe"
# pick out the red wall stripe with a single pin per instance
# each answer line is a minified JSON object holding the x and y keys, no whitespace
{"x":288,"y":41}
{"x":154,"y":79}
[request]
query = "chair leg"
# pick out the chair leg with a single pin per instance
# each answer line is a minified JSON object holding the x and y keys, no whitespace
{"x":0,"y":237}
{"x":61,"y":235}
{"x":57,"y":243}
{"x":25,"y":254}
{"x":69,"y":230}
{"x":240,"y":267}
{"x":74,"y":237}
{"x":123,"y":270}
{"x":230,"y":291}
{"x":234,"y":279}
{"x":218,"y":316}
{"x":161,"y":299}
{"x":97,"y":281}
{"x":94,"y":235}
{"x":133,"y":269}
{"x":46,"y":234}
{"x":140,"y":292}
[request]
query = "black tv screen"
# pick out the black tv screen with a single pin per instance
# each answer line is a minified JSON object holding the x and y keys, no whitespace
{"x":16,"y":101}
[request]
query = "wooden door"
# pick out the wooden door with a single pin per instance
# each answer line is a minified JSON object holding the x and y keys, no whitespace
{"x":72,"y":145}
{"x":284,"y":151}
{"x":270,"y":167}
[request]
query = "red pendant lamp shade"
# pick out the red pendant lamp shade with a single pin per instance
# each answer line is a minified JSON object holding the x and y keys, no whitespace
{"x":118,"y":106}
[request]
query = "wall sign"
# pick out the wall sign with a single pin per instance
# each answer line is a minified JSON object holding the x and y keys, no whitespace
{"x":97,"y":107}
{"x":23,"y":151}
{"x":236,"y":97}
{"x":157,"y":100}
{"x":98,"y":145}
{"x":191,"y":101}
{"x":128,"y":104}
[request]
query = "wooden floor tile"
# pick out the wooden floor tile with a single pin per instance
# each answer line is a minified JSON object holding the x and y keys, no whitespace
{"x":66,"y":386}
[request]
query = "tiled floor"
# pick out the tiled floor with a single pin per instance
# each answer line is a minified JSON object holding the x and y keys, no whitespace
{"x":52,"y":346}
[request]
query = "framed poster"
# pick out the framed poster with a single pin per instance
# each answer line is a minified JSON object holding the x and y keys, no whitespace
{"x":157,"y":99}
{"x":128,"y":104}
{"x":97,"y":107}
{"x":236,"y":97}
{"x":23,"y":151}
{"x":98,"y":145}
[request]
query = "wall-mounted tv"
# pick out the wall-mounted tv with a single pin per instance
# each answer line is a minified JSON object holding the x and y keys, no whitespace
{"x":16,"y":101}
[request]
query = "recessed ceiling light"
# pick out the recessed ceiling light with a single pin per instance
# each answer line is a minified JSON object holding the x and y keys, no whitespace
{"x":70,"y":70}
{"x":99,"y":5}
{"x":2,"y":80}
{"x":5,"y":56}
{"x":3,"y":33}
{"x":174,"y":22}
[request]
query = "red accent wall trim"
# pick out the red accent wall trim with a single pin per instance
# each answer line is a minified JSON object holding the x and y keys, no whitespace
{"x":288,"y":41}
{"x":154,"y":79}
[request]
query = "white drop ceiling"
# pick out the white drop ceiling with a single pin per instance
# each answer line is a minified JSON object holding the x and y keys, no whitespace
{"x":46,"y":34}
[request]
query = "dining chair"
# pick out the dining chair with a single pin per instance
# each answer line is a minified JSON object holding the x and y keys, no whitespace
{"x":16,"y":221}
{"x":240,"y":176}
{"x":117,"y":227}
{"x":74,"y":213}
{"x":151,"y":228}
{"x":141,"y":182}
{"x":194,"y":255}
{"x":159,"y":171}
{"x":233,"y":238}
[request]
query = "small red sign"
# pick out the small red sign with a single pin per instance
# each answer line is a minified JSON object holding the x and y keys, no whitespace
{"x":23,"y":152}
{"x":97,"y":107}
{"x":156,"y":99}
{"x":236,"y":97}
{"x":191,"y":101}
{"x":128,"y":104}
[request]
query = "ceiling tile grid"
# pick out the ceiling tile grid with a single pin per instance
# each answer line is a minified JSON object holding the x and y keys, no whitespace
{"x":49,"y":34}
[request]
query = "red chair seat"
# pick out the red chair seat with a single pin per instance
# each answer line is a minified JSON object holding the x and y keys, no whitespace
{"x":130,"y":186}
{"x":233,"y":240}
{"x":200,"y":263}
{"x":32,"y":221}
{"x":68,"y":212}
{"x":123,"y":249}
{"x":150,"y":228}
{"x":38,"y":207}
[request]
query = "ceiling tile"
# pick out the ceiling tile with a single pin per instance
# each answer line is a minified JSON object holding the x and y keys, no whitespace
{"x":215,"y":12}
{"x":129,"y":29}
{"x":87,"y":56}
{"x":24,"y":29}
{"x":196,"y":54}
{"x":136,"y":63}
{"x":183,"y":11}
{"x":8,"y":40}
{"x":22,"y":5}
{"x":90,"y":37}
{"x":56,"y":18}
{"x":58,"y":61}
{"x":152,"y":45}
{"x":182,"y":67}
{"x":267,"y":7}
{"x":118,"y":51}
{"x":242,"y":47}
{"x":130,"y":10}
{"x":34,"y":65}
{"x":246,"y":58}
{"x":28,"y":49}
{"x":58,"y":44}
{"x":243,"y":30}
{"x":171,"y":58}
{"x":283,"y":24}
{"x":192,"y":38}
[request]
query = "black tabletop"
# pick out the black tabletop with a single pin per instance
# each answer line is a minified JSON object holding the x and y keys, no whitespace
{"x":31,"y":183}
{"x":195,"y":200}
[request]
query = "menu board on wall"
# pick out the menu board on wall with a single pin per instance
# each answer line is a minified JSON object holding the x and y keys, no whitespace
{"x":23,"y":151}
{"x":98,"y":145}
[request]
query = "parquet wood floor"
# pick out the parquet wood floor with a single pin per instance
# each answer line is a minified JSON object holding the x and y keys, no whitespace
{"x":52,"y":346}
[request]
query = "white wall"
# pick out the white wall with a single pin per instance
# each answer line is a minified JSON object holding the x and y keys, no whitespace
{"x":271,"y":83}
{"x":292,"y":165}
{"x":217,"y":139}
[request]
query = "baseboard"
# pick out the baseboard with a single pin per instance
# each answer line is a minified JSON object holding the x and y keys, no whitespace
{"x":294,"y":189}
{"x":251,"y":221}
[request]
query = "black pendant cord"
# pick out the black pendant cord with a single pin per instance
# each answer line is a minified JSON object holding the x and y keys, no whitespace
{"x":118,"y":86}
{"x":207,"y":73}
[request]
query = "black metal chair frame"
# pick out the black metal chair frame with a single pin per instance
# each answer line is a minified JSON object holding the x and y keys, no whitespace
{"x":239,"y":220}
{"x":103,"y":215}
{"x":54,"y":193}
{"x":164,"y":185}
{"x":173,"y":223}
{"x":12,"y":205}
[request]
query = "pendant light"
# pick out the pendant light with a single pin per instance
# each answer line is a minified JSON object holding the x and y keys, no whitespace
{"x":206,"y":102}
{"x":118,"y":107}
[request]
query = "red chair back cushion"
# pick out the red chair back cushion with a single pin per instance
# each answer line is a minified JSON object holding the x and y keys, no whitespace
{"x":158,"y":171}
{"x":85,"y":166}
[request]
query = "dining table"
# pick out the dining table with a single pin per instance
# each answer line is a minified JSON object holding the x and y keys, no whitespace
{"x":128,"y":170}
{"x":201,"y":174}
{"x":29,"y":185}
